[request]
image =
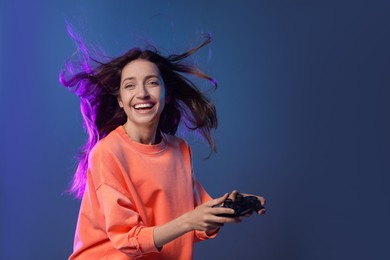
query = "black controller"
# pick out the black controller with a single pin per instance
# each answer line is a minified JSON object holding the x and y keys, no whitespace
{"x":242,"y":205}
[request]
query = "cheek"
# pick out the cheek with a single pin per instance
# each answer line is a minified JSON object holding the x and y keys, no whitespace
{"x":158,"y":94}
{"x":124,"y":97}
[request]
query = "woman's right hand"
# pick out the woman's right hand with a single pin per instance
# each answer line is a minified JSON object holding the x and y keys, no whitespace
{"x":206,"y":217}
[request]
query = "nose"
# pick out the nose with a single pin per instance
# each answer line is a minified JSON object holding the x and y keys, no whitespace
{"x":143,"y":92}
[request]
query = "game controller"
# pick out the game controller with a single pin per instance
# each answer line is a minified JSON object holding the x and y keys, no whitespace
{"x":242,"y":205}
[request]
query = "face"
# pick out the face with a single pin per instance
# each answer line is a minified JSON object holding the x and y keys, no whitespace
{"x":142,"y":94}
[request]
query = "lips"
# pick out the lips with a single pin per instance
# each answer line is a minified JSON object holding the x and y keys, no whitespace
{"x":143,"y":106}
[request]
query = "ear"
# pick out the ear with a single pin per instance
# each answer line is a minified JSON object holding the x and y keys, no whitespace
{"x":120,"y":103}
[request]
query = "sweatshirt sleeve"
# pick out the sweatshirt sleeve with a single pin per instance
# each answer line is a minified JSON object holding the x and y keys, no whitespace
{"x":123,"y":224}
{"x":201,"y":196}
{"x":124,"y":227}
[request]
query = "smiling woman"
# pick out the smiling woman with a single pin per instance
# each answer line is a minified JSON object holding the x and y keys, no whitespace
{"x":139,"y":195}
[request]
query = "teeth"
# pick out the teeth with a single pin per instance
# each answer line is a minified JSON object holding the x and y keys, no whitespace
{"x":145,"y":105}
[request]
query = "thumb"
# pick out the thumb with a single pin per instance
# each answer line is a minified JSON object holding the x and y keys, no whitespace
{"x":219,"y":200}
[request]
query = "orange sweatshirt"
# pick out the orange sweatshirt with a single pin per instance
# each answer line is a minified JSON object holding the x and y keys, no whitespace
{"x":132,"y":188}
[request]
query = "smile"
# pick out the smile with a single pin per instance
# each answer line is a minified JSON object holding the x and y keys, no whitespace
{"x":142,"y":106}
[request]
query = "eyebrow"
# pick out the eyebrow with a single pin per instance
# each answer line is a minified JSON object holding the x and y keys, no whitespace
{"x":146,"y":78}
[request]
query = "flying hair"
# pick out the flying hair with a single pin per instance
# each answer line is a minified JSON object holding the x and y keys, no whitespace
{"x":96,"y":82}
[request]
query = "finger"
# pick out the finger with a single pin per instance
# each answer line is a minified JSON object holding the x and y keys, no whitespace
{"x":262,"y":200}
{"x":261,"y":212}
{"x":237,"y":220}
{"x":221,"y":210}
{"x":232,"y":220}
{"x":214,"y":225}
{"x":233,"y":195}
{"x":218,"y":201}
{"x":224,"y":220}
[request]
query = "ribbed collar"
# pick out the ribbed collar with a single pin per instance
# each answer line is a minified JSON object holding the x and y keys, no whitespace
{"x":143,"y":148}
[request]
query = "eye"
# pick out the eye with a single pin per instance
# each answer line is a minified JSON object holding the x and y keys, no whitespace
{"x":130,"y":85}
{"x":153,"y":83}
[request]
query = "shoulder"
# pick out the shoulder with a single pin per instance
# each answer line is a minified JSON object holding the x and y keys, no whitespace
{"x":105,"y":162}
{"x":107,"y":145}
{"x":181,"y":145}
{"x":176,"y":141}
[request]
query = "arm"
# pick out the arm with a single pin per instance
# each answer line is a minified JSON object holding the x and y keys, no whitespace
{"x":123,"y":224}
{"x":130,"y":235}
{"x":113,"y":209}
{"x":203,"y":218}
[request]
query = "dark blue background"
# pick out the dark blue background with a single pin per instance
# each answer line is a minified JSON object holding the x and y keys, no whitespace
{"x":303,"y":104}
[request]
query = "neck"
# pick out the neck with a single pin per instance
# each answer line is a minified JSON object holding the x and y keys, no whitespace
{"x":144,"y":135}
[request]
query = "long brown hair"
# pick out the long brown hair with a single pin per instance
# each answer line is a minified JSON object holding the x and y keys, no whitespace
{"x":98,"y":88}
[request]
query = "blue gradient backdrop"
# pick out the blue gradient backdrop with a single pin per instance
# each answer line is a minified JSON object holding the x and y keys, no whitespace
{"x":303,"y":103}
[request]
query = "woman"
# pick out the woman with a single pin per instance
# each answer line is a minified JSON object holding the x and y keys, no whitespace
{"x":139,"y":194}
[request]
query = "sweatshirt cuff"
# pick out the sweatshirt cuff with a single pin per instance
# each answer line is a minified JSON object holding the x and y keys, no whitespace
{"x":146,"y":241}
{"x":201,"y":235}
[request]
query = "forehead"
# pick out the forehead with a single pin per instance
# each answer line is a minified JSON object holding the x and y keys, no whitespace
{"x":140,"y":68}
